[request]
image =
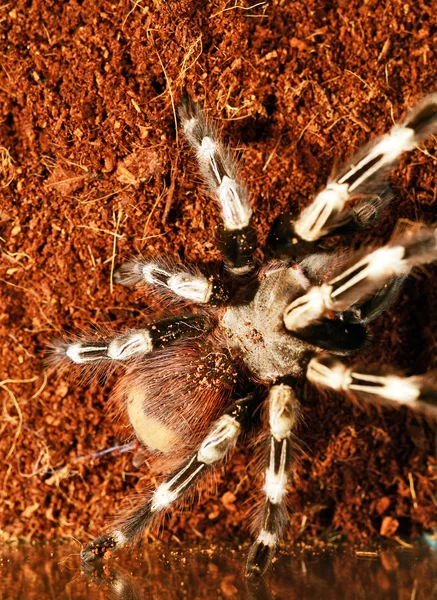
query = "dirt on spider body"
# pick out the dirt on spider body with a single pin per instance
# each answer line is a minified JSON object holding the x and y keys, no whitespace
{"x":93,"y":171}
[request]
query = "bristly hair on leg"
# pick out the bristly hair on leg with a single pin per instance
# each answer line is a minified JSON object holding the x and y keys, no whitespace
{"x":283,"y":417}
{"x":365,"y":277}
{"x":218,"y":167}
{"x":375,"y":385}
{"x":174,"y":283}
{"x":365,"y":174}
{"x":57,"y":359}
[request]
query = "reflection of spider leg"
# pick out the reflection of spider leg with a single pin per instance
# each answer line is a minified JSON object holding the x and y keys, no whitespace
{"x":238,"y":238}
{"x":258,"y":589}
{"x":119,"y":584}
{"x":215,"y":446}
{"x":364,"y":174}
{"x":283,"y":417}
{"x":175,"y":280}
{"x":418,"y":392}
{"x":134,"y":343}
{"x":370,"y":274}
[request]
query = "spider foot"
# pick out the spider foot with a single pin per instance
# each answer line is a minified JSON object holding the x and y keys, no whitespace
{"x":100,"y":546}
{"x":260,"y":556}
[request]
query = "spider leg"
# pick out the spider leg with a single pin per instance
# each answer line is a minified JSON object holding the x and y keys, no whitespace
{"x":283,"y":417}
{"x":135,"y":342}
{"x":217,"y":166}
{"x":417,"y":392}
{"x":178,"y":281}
{"x":216,"y":445}
{"x":364,"y":278}
{"x":348,"y":333}
{"x":116,"y":582}
{"x":364,"y":175}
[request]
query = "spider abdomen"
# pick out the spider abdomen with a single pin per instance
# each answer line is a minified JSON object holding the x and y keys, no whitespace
{"x":169,"y":397}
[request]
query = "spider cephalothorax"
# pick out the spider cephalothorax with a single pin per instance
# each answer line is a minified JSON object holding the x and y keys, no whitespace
{"x":194,"y":382}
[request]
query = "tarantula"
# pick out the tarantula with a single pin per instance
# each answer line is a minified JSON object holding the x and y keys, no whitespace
{"x":193,"y":383}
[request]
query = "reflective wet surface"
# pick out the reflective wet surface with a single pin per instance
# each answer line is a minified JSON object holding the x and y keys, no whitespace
{"x":55,"y":572}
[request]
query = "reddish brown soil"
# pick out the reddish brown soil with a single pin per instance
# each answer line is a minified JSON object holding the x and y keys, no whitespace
{"x":93,"y":171}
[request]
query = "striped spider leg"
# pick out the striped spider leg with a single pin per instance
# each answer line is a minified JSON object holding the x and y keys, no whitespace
{"x":238,"y":238}
{"x":220,"y":440}
{"x":419,"y":392}
{"x":365,"y":277}
{"x":284,"y":415}
{"x":355,"y":196}
{"x":134,"y":343}
{"x":364,"y":175}
{"x":174,"y":281}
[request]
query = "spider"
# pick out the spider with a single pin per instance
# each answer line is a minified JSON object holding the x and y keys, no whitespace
{"x":248,"y":334}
